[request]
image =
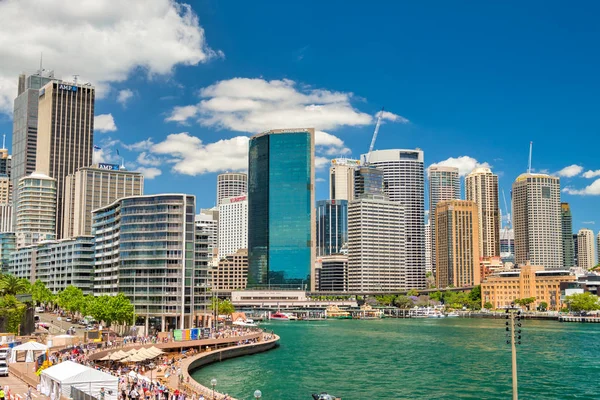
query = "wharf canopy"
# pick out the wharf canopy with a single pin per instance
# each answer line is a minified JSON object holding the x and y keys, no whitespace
{"x":62,"y":378}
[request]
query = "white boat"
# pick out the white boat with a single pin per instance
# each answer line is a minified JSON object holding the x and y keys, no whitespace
{"x":452,"y":315}
{"x":291,"y":317}
{"x":244,"y":323}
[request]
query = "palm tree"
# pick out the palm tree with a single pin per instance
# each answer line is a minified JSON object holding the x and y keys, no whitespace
{"x":10,"y":284}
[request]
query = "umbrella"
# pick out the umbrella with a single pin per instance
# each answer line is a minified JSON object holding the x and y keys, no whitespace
{"x":156,"y":351}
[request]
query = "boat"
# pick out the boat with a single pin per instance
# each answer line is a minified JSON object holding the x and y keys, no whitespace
{"x":291,"y":317}
{"x":452,"y":314}
{"x":278,"y":316}
{"x":244,"y":323}
{"x":335,"y":312}
{"x":324,"y":396}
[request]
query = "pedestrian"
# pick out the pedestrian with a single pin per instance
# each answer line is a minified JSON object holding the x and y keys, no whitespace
{"x":102,"y":393}
{"x":28,"y":395}
{"x":2,"y":394}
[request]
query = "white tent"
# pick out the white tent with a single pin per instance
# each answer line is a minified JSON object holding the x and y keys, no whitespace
{"x":30,"y":348}
{"x":60,"y":378}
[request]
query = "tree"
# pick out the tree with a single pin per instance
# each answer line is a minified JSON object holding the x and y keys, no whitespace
{"x":385,"y":300}
{"x":121,"y":309}
{"x":525,"y":302}
{"x":543,"y":306}
{"x":437,"y":296}
{"x":582,"y":302}
{"x":41,"y":294}
{"x":71,"y":299}
{"x":488,"y":305}
{"x":11,"y":285}
{"x":226,"y":308}
{"x":403,"y":302}
{"x":13,"y":311}
{"x":412,"y":292}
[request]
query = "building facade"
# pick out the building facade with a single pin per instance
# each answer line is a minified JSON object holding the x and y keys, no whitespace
{"x":25,"y":126}
{"x":457,"y":236}
{"x":502,"y":289}
{"x":8,"y":245}
{"x":231,"y":273}
{"x":567,"y":235}
{"x":332,"y":226}
{"x":93,"y":187}
{"x":36,"y":209}
{"x":231,"y":184}
{"x":444,"y":184}
{"x":145,"y":249}
{"x":404,"y":182}
{"x":586,"y":249}
{"x":341,"y":178}
{"x":208,"y":221}
{"x":233,"y":225}
{"x":333,"y":273}
{"x":376,"y":243}
{"x":369,"y":183}
{"x":65,"y":136}
{"x":537,"y":220}
{"x":428,"y":233}
{"x":6,"y":217}
{"x":481,"y":187}
{"x":507,"y":245}
{"x":281,"y":217}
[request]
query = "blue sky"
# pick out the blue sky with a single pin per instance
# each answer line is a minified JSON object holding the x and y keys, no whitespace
{"x":185,"y":86}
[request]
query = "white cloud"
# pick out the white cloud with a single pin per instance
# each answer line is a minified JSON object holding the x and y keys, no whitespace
{"x":386,"y":115}
{"x":591,"y":173}
{"x":322,"y":162}
{"x":590,"y":190}
{"x":570,"y":171}
{"x":148,"y":159}
{"x":182,"y":114}
{"x":192,"y":157}
{"x":97,"y":39}
{"x":320,"y":180}
{"x":140,"y":146}
{"x":124,"y":96}
{"x":149,"y":172}
{"x":104,"y":123}
{"x":465,"y":164}
{"x":588,"y":222}
{"x":330,"y":144}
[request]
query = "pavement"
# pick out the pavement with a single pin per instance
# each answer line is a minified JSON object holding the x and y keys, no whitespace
{"x":60,"y":326}
{"x":18,"y":388}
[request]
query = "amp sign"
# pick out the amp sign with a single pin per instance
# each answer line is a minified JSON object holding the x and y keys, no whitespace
{"x":69,"y":88}
{"x":110,"y":167}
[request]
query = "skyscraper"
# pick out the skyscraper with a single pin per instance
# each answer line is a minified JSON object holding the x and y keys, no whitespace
{"x":369,"y":183}
{"x":598,"y":248}
{"x":341,"y":178}
{"x":444,"y":184}
{"x":404,"y":182}
{"x":481,"y":187}
{"x":537,"y":220}
{"x":231,"y":184}
{"x":25,"y":127}
{"x":575,"y":250}
{"x":208,"y":222}
{"x":65,"y":134}
{"x":233,"y":226}
{"x":586,"y":249}
{"x":567,"y":235}
{"x":93,"y":187}
{"x":36,"y":209}
{"x":457,"y":233}
{"x":428,"y":264}
{"x":281,"y":198}
{"x":332,"y":226}
{"x":376,"y":249}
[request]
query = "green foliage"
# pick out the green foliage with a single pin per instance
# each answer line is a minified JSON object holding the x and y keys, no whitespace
{"x":109,"y":308}
{"x":412,"y":292}
{"x":385,"y":300}
{"x":488,"y":305}
{"x":543,"y":306}
{"x":403,"y":302}
{"x":11,"y":285}
{"x":475,"y":294}
{"x":525,"y":302}
{"x":437,"y":296}
{"x":582,"y":302}
{"x":71,"y":299}
{"x":462,"y":299}
{"x":13,"y":310}
{"x":226,"y":308}
{"x":41,"y":294}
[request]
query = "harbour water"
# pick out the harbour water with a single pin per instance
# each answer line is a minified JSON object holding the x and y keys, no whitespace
{"x":447,"y":358}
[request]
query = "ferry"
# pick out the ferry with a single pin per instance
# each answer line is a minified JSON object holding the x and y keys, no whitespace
{"x":247,"y":322}
{"x":291,"y":317}
{"x":334,"y":312}
{"x":279,"y":316}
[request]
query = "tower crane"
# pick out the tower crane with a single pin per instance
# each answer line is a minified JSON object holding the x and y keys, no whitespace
{"x":508,"y":223}
{"x":374,"y":136}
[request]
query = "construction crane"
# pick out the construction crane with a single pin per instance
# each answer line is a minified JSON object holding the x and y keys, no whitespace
{"x":530,"y":151}
{"x":508,"y":223}
{"x":372,"y":146}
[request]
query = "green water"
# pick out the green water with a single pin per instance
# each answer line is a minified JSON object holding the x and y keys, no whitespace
{"x":448,"y":358}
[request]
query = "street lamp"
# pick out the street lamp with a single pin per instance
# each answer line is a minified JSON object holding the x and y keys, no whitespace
{"x":257,"y":394}
{"x":213,"y":383}
{"x":151,"y":366}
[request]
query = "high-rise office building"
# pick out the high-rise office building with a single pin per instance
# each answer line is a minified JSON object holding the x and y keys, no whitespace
{"x":404,"y":182}
{"x":65,"y":134}
{"x":428,"y":234}
{"x":93,"y":187}
{"x":208,"y":222}
{"x":457,"y":237}
{"x":537,"y":220}
{"x":481,"y":186}
{"x":376,"y":247}
{"x":6,"y":185}
{"x":586,"y":253}
{"x":444,"y":184}
{"x":231,"y":184}
{"x":5,"y":162}
{"x":231,"y":273}
{"x":281,"y":217}
{"x":233,"y":225}
{"x":567,"y":235}
{"x":575,"y":250}
{"x":25,"y":126}
{"x":8,"y":245}
{"x":145,"y":250}
{"x":341,"y":178}
{"x":598,"y":248}
{"x":36,"y":209}
{"x":6,"y":215}
{"x":332,"y":226}
{"x":369,"y":183}
{"x":332,"y":273}
{"x":507,"y":245}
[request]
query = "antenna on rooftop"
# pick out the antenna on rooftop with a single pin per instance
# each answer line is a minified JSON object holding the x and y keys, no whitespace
{"x":530,"y":151}
{"x":4,"y":141}
{"x":75,"y":78}
{"x":41,"y":57}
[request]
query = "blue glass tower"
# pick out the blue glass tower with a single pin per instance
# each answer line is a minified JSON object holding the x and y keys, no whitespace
{"x":332,"y":226}
{"x":281,"y":228}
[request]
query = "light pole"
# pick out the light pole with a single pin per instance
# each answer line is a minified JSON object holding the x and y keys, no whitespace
{"x":514,"y":332}
{"x":213,"y":383}
{"x":257,"y":394}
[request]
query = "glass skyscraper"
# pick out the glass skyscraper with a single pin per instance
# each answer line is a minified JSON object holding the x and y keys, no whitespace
{"x":281,"y":221}
{"x":332,"y":226}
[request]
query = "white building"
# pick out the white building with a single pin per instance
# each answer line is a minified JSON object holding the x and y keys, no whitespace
{"x":586,"y":249}
{"x":341,"y":178}
{"x":537,"y":220}
{"x":376,"y":243}
{"x":232,"y":225}
{"x":208,"y":222}
{"x":404,"y":178}
{"x":36,"y":209}
{"x":6,"y":214}
{"x":481,"y":186}
{"x":231,"y":184}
